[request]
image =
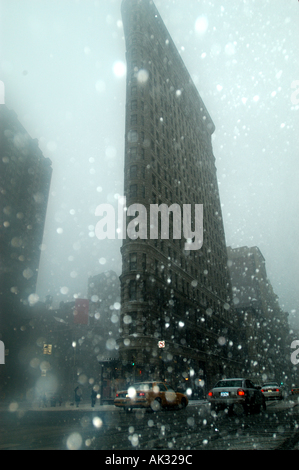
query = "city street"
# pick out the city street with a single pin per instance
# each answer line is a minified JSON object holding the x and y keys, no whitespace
{"x":106,"y":428}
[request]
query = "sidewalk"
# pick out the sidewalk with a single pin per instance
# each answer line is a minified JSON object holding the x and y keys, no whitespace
{"x":14,"y":406}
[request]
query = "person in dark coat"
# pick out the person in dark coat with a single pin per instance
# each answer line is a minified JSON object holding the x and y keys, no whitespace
{"x":78,"y":394}
{"x":93,"y":397}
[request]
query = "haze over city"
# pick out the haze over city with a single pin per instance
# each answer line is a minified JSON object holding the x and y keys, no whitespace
{"x":63,"y":66}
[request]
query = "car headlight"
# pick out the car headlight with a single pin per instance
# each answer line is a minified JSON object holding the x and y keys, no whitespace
{"x":131,"y":392}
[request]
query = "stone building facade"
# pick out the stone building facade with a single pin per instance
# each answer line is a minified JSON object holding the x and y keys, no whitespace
{"x":169,"y":294}
{"x":265,"y":332}
{"x":25,"y":178}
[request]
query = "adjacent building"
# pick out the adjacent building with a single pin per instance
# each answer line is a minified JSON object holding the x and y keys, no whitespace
{"x":25,"y":176}
{"x":263,"y":326}
{"x":104,"y":312}
{"x":177,"y":321}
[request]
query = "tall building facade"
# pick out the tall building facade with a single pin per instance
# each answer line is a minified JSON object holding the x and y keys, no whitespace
{"x":176,"y":320}
{"x":25,"y":177}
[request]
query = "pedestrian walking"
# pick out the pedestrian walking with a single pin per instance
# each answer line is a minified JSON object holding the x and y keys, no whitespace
{"x":78,"y":396}
{"x":93,"y":398}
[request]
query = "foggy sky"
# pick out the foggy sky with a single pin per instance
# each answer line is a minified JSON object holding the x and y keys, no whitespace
{"x":62,"y":63}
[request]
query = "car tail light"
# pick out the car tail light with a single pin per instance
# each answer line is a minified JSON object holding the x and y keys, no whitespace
{"x":240,"y":392}
{"x":210,"y":394}
{"x":277,"y":390}
{"x":117,"y":395}
{"x":262,"y":390}
{"x":141,"y":394}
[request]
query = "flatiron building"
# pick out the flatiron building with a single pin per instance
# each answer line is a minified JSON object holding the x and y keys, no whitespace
{"x":177,"y":322}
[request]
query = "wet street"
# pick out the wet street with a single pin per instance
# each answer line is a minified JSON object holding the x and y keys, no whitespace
{"x":194,"y":428}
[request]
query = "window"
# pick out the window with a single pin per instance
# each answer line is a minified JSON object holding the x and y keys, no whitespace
{"x":162,"y":388}
{"x":143,"y":292}
{"x":229,"y":383}
{"x":47,"y":349}
{"x":249,"y":384}
{"x":156,"y":267}
{"x":143,"y":262}
{"x":132,"y":322}
{"x":133,"y":190}
{"x":133,"y":261}
{"x":133,"y":171}
{"x":133,"y":119}
{"x":132,"y":291}
{"x":132,"y":136}
{"x":133,"y":152}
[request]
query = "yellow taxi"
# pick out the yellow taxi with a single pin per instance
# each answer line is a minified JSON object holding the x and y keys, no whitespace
{"x":152,"y":395}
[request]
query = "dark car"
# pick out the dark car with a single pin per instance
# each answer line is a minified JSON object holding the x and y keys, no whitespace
{"x":236,"y":394}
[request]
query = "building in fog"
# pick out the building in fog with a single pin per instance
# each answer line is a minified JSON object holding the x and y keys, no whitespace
{"x":104,"y":311}
{"x":170,"y":296}
{"x":25,"y":176}
{"x":61,"y":348}
{"x":263,"y":325}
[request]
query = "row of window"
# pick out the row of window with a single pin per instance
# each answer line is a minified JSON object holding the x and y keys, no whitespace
{"x":179,"y":326}
{"x":161,"y":184}
{"x":137,"y":290}
{"x":169,"y":168}
{"x":167,"y":103}
{"x":186,"y":194}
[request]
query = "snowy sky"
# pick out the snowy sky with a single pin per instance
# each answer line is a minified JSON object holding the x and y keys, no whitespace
{"x":62,"y":63}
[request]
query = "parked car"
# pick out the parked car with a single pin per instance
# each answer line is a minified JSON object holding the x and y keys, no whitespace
{"x":152,"y":395}
{"x":272,"y":391}
{"x":236,"y":394}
